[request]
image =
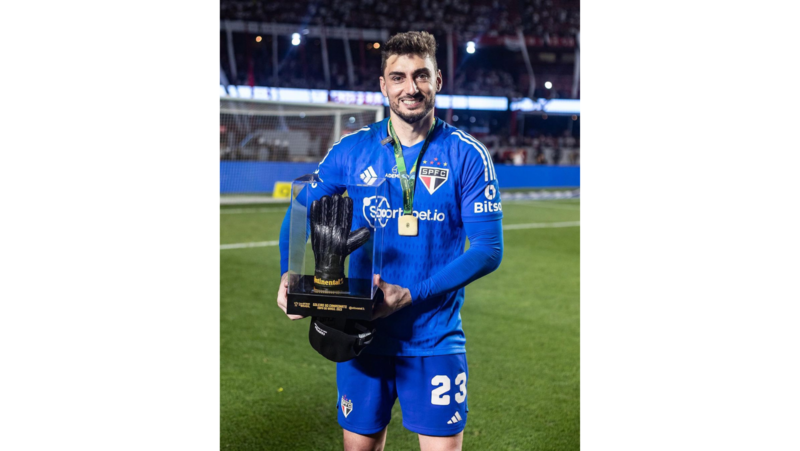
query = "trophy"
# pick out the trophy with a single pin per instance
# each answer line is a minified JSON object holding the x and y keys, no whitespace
{"x":335,"y":247}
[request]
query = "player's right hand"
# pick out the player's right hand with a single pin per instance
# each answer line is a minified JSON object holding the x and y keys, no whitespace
{"x":282,"y":289}
{"x":395,"y":297}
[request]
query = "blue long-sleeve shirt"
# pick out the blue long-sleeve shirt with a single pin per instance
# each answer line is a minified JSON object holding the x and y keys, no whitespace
{"x":456,"y":197}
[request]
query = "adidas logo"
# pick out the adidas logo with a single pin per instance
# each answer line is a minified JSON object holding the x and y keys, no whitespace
{"x":369,"y":176}
{"x":456,"y":418}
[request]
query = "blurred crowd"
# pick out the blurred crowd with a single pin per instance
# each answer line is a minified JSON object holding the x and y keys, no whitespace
{"x":545,"y":149}
{"x":542,"y":149}
{"x":261,"y":141}
{"x":501,"y":71}
{"x":486,"y":82}
{"x":496,"y":68}
{"x":483,"y":82}
{"x":468,"y":18}
{"x":508,"y":80}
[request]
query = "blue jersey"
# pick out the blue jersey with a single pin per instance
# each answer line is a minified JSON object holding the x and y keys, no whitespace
{"x":456,"y":184}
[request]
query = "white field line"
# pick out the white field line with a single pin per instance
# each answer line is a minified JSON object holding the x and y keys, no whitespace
{"x":542,"y":225}
{"x":237,"y":211}
{"x":241,"y":200}
{"x":542,"y":204}
{"x":244,"y":245}
{"x":534,"y":225}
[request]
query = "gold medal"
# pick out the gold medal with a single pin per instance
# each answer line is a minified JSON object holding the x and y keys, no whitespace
{"x":407,"y":225}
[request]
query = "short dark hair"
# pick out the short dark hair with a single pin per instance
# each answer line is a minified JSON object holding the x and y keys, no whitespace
{"x":420,"y":43}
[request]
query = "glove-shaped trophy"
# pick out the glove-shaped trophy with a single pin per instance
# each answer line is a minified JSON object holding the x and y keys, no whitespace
{"x":327,"y":288}
{"x":332,"y":241}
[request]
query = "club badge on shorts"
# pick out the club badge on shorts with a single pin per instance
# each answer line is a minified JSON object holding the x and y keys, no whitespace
{"x":407,"y":225}
{"x":347,"y":406}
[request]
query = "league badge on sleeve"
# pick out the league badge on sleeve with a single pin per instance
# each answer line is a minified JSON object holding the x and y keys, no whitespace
{"x":433,"y":178}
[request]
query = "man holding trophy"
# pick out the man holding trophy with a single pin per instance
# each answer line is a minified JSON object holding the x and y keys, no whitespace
{"x":414,"y":347}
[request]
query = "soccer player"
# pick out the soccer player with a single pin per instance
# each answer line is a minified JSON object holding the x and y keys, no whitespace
{"x":418,"y":353}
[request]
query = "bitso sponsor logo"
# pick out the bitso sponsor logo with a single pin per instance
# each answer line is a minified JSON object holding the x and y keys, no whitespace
{"x":488,"y":207}
{"x":490,"y":192}
{"x":369,"y":176}
{"x":347,"y":406}
{"x":378,"y":212}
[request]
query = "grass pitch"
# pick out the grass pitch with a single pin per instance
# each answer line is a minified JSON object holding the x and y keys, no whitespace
{"x":521,"y":323}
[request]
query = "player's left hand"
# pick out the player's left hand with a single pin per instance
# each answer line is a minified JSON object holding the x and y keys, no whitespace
{"x":395,"y":297}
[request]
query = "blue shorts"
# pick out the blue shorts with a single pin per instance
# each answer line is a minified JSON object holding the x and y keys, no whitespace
{"x":432,"y":392}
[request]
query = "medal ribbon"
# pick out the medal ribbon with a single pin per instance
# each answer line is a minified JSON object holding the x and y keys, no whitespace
{"x":408,"y":182}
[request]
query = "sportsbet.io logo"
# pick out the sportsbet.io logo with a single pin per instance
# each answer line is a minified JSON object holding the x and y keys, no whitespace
{"x":377,"y":207}
{"x":374,"y":207}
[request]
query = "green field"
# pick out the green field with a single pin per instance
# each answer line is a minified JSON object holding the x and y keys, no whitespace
{"x":521,"y":322}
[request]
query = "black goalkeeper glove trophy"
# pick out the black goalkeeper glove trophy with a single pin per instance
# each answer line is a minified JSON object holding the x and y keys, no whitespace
{"x":339,"y":305}
{"x":328,"y":292}
{"x":338,"y":339}
{"x":332,"y":241}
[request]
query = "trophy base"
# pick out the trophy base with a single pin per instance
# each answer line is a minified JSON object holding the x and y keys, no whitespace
{"x":356,"y":303}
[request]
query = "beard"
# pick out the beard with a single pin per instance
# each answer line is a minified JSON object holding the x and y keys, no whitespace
{"x":410,"y":118}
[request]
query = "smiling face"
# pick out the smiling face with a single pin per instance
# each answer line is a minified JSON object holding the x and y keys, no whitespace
{"x":411,"y":82}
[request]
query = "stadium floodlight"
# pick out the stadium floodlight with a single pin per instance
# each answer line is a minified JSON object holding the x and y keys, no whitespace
{"x":548,"y":85}
{"x":295,"y":38}
{"x":470,"y":47}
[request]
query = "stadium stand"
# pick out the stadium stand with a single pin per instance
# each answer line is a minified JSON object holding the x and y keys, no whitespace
{"x":302,"y":68}
{"x":552,"y":25}
{"x":497,"y":67}
{"x":535,"y":17}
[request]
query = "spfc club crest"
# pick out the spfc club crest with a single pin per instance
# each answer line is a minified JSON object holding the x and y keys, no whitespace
{"x":433,"y":178}
{"x":347,"y":406}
